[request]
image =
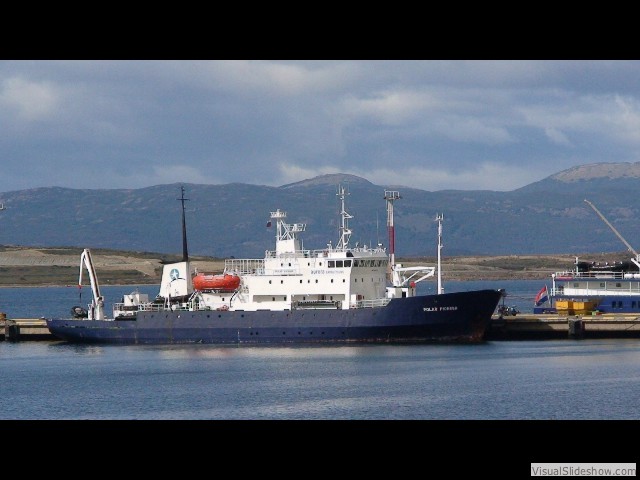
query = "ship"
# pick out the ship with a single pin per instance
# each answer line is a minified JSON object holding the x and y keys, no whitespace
{"x":606,"y":287}
{"x":332,"y":295}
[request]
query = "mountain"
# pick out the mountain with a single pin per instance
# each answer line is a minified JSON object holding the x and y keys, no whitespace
{"x":545,"y":217}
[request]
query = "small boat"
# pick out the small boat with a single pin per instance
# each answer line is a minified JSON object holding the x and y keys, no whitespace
{"x":594,"y":287}
{"x":222,"y":283}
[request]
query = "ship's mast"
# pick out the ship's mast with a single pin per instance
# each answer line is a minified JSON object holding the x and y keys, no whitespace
{"x":439,"y":219}
{"x":390,"y":196}
{"x":345,"y":233}
{"x":185,"y":252}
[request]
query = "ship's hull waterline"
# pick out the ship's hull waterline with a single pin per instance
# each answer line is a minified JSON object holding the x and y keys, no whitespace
{"x":451,"y":317}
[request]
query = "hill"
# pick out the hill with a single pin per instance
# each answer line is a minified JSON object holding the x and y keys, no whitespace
{"x":546,"y":217}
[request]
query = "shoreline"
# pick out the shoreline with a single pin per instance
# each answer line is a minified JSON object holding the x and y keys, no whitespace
{"x":58,"y":267}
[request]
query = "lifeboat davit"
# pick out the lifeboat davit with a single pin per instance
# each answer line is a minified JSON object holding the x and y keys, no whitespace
{"x":225,"y":282}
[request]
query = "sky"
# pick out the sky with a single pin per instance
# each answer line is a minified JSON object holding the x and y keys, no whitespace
{"x":428,"y":124}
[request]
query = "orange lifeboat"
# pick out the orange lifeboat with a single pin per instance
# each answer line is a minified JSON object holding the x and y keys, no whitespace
{"x":226,"y":282}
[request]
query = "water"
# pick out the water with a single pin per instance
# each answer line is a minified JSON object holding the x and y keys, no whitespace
{"x":564,"y":379}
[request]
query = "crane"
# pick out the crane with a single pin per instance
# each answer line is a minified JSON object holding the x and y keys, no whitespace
{"x":634,"y":260}
{"x":96,"y":307}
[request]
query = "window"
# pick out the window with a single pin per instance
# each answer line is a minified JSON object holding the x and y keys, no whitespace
{"x":347,"y":263}
{"x":618,"y":284}
{"x":339,"y":264}
{"x":332,"y":263}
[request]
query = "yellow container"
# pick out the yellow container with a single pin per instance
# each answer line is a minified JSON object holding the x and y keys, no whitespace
{"x":584,"y":306}
{"x":564,"y":304}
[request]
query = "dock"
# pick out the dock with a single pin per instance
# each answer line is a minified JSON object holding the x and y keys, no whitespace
{"x":510,"y":327}
{"x":20,"y":329}
{"x":551,"y":326}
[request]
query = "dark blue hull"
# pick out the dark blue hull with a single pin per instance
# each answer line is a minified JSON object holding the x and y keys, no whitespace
{"x":451,"y":317}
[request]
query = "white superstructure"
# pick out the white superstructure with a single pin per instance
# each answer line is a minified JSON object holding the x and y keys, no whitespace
{"x":292,"y":277}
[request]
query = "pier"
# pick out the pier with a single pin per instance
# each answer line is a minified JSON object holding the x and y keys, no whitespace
{"x":550,"y":326}
{"x":20,"y":329}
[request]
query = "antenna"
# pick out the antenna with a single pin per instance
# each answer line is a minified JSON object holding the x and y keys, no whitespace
{"x":185,"y":252}
{"x":345,"y":234}
{"x":439,"y":219}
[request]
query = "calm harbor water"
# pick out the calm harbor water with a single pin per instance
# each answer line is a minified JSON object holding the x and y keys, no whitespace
{"x":563,"y":379}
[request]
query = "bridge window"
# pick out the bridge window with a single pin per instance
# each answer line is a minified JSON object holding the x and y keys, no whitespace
{"x":347,"y":263}
{"x":332,"y":264}
{"x":339,"y":264}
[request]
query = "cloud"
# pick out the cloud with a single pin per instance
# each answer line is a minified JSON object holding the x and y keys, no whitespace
{"x":27,"y":100}
{"x":440,"y":124}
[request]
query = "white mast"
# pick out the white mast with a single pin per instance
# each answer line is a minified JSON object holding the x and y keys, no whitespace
{"x":345,"y":233}
{"x":390,"y":196}
{"x":439,"y":219}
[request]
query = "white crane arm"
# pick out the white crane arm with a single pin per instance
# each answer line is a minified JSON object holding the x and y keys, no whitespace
{"x":614,"y":230}
{"x":98,"y":301}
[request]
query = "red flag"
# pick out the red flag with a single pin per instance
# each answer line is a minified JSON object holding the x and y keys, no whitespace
{"x":542,"y":296}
